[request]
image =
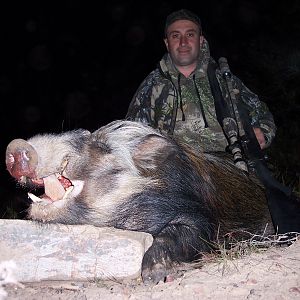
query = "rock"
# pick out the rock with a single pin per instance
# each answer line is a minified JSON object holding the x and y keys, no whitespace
{"x":71,"y":252}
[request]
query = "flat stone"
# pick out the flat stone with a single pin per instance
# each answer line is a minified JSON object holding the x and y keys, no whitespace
{"x":71,"y":252}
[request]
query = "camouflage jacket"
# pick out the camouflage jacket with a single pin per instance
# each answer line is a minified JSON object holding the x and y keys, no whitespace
{"x":184,"y":107}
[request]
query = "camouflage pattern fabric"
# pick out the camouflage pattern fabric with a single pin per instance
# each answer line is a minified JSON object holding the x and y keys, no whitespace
{"x":184,"y":107}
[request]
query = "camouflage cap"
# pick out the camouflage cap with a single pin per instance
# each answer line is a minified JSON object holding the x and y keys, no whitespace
{"x":182,"y":14}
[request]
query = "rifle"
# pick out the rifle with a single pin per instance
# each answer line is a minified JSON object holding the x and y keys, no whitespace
{"x":283,"y":206}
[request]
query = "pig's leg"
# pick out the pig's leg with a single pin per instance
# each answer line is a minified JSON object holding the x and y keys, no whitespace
{"x":183,"y":241}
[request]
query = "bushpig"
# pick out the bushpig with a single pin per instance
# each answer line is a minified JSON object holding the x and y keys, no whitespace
{"x":129,"y":176}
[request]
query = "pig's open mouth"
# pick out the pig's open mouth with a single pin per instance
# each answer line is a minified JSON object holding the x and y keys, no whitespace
{"x":57,"y":187}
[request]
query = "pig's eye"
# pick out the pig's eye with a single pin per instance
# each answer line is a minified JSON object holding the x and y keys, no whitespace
{"x":102,"y":147}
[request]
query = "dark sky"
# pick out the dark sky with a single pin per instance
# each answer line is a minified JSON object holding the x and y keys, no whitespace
{"x":74,"y":64}
{"x":71,"y":63}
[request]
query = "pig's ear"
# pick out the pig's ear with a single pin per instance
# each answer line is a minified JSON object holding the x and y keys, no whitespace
{"x":153,"y":152}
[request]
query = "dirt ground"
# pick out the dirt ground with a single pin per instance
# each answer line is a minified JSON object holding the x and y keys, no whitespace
{"x":270,"y":274}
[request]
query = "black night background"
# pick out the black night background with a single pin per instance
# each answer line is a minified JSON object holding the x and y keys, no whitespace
{"x":76,"y":64}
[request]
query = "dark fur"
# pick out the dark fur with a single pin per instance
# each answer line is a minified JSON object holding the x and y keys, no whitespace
{"x":137,"y":179}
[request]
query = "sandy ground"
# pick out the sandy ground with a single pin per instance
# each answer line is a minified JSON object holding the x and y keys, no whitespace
{"x":270,"y":274}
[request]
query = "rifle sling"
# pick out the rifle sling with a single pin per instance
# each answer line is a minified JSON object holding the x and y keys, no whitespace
{"x":222,"y":110}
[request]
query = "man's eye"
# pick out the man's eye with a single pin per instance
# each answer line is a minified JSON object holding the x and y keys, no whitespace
{"x":190,"y":35}
{"x":175,"y":36}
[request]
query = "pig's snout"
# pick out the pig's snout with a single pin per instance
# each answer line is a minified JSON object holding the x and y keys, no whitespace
{"x":21,"y":159}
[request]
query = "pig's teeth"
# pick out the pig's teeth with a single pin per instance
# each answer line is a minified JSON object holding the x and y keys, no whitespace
{"x":68,"y":191}
{"x":34,"y":198}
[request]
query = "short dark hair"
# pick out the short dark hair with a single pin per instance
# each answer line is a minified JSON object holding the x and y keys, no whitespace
{"x":182,"y":14}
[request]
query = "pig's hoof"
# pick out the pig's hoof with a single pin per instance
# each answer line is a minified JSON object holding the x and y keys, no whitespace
{"x":155,"y":274}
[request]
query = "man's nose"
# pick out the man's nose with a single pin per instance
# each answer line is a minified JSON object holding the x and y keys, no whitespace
{"x":183,"y":41}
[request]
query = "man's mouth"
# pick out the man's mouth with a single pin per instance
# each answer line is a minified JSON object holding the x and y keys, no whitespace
{"x":57,"y":187}
{"x":184,"y":50}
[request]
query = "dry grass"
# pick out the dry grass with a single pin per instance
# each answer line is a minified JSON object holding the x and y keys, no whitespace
{"x":226,"y":252}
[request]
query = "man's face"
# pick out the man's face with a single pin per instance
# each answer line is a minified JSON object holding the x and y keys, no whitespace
{"x":183,"y":42}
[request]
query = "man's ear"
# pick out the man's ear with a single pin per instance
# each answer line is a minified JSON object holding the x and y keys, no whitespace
{"x":201,"y":39}
{"x":166,"y":43}
{"x":152,"y":152}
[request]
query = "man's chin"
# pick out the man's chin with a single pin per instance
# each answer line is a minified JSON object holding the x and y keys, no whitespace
{"x":184,"y":63}
{"x":184,"y":60}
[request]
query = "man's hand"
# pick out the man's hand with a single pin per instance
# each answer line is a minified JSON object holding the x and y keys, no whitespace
{"x":260,"y":137}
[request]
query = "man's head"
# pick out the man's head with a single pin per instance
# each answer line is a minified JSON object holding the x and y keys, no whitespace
{"x":182,"y":14}
{"x":183,"y":39}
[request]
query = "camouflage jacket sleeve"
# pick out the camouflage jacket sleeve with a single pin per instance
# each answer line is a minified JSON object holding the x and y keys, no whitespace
{"x":140,"y":106}
{"x":258,"y":111}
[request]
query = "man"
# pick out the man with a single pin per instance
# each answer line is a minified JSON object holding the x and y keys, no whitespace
{"x":177,"y":97}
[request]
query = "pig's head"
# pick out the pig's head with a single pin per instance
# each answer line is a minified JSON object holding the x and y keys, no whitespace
{"x":42,"y":162}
